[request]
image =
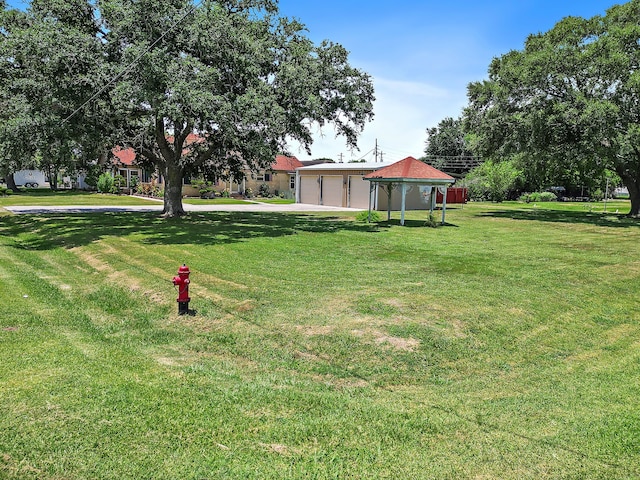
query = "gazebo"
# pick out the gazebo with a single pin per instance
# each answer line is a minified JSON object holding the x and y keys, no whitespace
{"x":408,"y":173}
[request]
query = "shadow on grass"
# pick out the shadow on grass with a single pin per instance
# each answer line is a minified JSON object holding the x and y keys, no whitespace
{"x":414,"y":223}
{"x":43,"y":232}
{"x":561,"y":216}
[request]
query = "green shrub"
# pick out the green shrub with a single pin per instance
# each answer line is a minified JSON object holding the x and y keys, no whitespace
{"x":92,"y":176}
{"x":364,"y":216}
{"x":248,"y":192}
{"x":105,"y":183}
{"x":432,"y":221}
{"x":538,"y":197}
{"x":548,"y":197}
{"x":8,"y":191}
{"x":226,"y":193}
{"x":263,"y":191}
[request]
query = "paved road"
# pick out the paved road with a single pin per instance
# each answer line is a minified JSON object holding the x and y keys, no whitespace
{"x":245,"y":207}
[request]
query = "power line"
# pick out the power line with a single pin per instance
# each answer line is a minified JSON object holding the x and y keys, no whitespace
{"x":136,"y":60}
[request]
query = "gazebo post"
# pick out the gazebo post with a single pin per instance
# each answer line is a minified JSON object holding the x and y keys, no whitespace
{"x":389,"y":202}
{"x":444,"y":204}
{"x":370,"y":195}
{"x":432,"y":199}
{"x":403,"y":204}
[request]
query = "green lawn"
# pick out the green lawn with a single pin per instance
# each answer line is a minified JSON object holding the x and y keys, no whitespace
{"x":213,"y":201}
{"x":43,"y":197}
{"x":504,"y":345}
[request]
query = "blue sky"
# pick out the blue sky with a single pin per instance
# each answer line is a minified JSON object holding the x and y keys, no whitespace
{"x":421,"y":55}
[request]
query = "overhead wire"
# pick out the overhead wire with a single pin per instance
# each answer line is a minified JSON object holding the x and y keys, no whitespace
{"x":134,"y":62}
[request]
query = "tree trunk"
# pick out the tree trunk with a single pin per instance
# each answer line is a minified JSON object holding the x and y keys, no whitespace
{"x":52,"y":172}
{"x":633,"y":185}
{"x":11,"y":182}
{"x":173,"y":191}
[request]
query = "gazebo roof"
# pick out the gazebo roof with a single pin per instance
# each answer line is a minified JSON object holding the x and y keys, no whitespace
{"x":410,"y":170}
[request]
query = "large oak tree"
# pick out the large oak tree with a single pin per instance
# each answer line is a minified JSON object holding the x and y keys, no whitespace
{"x":232,"y":73}
{"x":570,"y":99}
{"x":50,"y":60}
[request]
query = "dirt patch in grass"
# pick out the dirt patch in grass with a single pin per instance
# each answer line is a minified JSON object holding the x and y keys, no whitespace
{"x":279,"y":449}
{"x":155,"y":297}
{"x":245,"y":306}
{"x":312,"y":330}
{"x":458,"y":327}
{"x":91,"y":260}
{"x":379,"y":338}
{"x":198,"y":323}
{"x":393,"y":302}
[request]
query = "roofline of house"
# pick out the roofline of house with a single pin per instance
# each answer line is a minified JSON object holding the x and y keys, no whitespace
{"x":346,"y":166}
{"x":424,"y":181}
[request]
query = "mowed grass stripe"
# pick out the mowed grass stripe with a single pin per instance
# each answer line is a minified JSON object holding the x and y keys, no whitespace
{"x":287,"y":391}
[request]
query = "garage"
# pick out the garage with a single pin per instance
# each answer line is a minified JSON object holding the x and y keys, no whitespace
{"x":358,"y":192}
{"x":344,"y":185}
{"x":331,"y":190}
{"x":308,"y":190}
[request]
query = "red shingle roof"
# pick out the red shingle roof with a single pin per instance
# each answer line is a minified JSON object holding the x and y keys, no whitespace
{"x":125,"y":156}
{"x":410,"y":168}
{"x":286,"y":164}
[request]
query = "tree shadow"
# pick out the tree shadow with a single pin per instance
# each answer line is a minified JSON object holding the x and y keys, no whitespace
{"x":44,"y":232}
{"x":414,"y":223}
{"x":566,"y":216}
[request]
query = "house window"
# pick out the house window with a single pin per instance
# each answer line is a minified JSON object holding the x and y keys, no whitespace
{"x":292,"y":182}
{"x":146,"y":176}
{"x":263,"y":177}
{"x":186,"y":180}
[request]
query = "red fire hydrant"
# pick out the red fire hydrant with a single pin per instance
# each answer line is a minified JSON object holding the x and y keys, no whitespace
{"x":182,"y":282}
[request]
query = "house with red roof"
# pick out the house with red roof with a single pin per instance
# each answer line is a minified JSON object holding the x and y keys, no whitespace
{"x":279,"y":178}
{"x":124,"y":164}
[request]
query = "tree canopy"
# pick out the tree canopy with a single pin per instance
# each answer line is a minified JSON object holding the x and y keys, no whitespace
{"x":568,"y":100}
{"x":207,"y":87}
{"x":447,"y":139}
{"x":50,"y":57}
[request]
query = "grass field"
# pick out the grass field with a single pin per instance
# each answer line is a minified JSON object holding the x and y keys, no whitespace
{"x":504,"y":345}
{"x":42,"y":196}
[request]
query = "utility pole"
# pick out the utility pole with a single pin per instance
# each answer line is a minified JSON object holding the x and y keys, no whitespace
{"x":341,"y":155}
{"x":375,"y":151}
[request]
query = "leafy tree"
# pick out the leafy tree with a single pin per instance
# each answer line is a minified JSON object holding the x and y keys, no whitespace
{"x":222,"y":87}
{"x":568,"y":101}
{"x":447,"y":139}
{"x":492,"y":180}
{"x":50,"y":59}
{"x":208,"y":87}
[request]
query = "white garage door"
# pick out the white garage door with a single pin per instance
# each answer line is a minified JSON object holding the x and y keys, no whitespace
{"x":358,"y":192}
{"x":309,"y":189}
{"x":332,"y":190}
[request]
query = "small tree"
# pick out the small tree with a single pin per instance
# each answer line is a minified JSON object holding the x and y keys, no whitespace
{"x":105,"y":183}
{"x":493,"y":180}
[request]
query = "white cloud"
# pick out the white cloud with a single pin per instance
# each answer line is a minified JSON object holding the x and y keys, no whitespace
{"x":403,"y":111}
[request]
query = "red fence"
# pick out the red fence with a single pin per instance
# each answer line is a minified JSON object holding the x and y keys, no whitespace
{"x":454,"y":195}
